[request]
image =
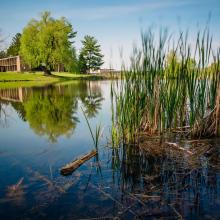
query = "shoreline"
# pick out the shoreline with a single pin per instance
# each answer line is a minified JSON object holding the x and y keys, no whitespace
{"x":25,"y":79}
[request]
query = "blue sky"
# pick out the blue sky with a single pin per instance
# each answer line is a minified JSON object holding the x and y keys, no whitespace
{"x":116,"y":24}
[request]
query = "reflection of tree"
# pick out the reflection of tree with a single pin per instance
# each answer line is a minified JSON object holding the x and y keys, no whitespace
{"x":19,"y":107}
{"x":88,"y":92}
{"x":51,"y":114}
{"x":50,"y":110}
{"x":3,"y":115}
{"x":92,"y":102}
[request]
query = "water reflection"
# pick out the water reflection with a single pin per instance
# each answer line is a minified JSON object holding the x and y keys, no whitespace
{"x":93,"y":101}
{"x":15,"y":193}
{"x":2,"y":114}
{"x":126,"y":182}
{"x":52,"y":111}
{"x":163,"y":183}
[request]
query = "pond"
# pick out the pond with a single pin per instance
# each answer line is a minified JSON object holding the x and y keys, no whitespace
{"x":44,"y":128}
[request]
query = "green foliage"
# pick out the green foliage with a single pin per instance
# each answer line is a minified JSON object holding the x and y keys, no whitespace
{"x":2,"y":54}
{"x":48,"y":42}
{"x":82,"y":64}
{"x":72,"y":64}
{"x":14,"y":47}
{"x":90,"y":57}
{"x":173,"y":64}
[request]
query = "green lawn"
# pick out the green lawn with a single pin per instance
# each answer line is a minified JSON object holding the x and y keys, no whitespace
{"x":39,"y":76}
{"x":15,"y":84}
{"x":68,"y":76}
{"x":13,"y":79}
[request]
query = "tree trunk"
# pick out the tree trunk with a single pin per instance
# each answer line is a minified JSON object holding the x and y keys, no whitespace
{"x":46,"y":71}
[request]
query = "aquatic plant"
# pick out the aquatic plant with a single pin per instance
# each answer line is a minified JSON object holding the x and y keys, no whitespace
{"x":98,"y":131}
{"x":168,"y":88}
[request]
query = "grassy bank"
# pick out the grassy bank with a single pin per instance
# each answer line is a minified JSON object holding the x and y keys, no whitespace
{"x":13,"y":79}
{"x":71,"y":76}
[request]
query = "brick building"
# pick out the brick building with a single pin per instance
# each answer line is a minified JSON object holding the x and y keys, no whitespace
{"x":15,"y":64}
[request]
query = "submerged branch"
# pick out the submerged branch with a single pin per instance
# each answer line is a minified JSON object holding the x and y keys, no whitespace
{"x":177,"y":147}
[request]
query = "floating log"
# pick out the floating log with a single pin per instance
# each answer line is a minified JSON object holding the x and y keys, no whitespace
{"x":176,"y":146}
{"x":70,"y":167}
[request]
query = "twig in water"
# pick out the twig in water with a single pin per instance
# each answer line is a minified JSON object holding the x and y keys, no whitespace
{"x":175,"y":145}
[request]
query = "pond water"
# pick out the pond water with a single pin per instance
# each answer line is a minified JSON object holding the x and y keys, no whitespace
{"x":42,"y":129}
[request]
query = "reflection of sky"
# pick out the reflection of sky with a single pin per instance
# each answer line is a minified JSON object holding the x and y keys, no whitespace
{"x":115,"y":23}
{"x":17,"y":139}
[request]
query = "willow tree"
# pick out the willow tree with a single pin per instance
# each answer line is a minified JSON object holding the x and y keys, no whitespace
{"x":47,"y":42}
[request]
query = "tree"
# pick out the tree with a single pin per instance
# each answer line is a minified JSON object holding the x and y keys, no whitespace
{"x":14,"y":48}
{"x":2,"y":52}
{"x":47,"y":42}
{"x":82,"y":64}
{"x":191,"y":64}
{"x":172,"y":64}
{"x":90,"y":57}
{"x":72,"y":64}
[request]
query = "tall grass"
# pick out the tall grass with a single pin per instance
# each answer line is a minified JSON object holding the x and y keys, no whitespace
{"x":167,"y":87}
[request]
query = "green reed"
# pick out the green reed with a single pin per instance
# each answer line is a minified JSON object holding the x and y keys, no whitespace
{"x":96,"y":135}
{"x":166,"y":86}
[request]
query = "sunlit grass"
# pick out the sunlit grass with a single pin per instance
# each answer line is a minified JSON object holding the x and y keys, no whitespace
{"x":16,"y":84}
{"x":21,"y":79}
{"x":17,"y":76}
